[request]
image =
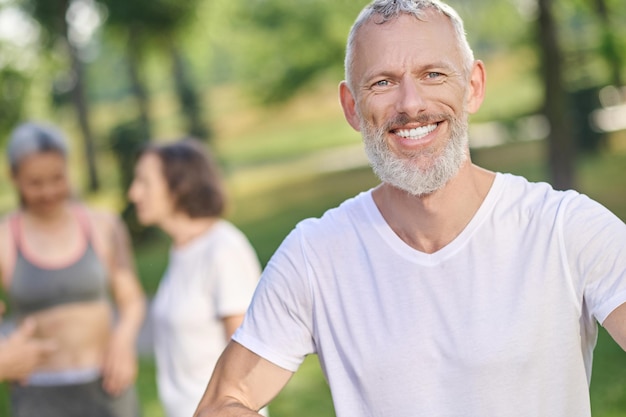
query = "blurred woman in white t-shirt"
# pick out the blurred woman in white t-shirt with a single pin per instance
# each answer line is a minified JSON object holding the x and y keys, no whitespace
{"x":211,"y":274}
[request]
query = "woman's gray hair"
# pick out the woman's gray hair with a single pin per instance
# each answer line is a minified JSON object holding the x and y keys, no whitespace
{"x":386,"y":10}
{"x":31,"y":138}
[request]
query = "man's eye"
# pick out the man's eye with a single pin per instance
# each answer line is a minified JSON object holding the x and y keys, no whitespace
{"x":434,"y":75}
{"x":381,"y":83}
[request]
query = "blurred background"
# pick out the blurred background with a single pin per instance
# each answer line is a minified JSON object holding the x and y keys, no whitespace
{"x":257,"y":81}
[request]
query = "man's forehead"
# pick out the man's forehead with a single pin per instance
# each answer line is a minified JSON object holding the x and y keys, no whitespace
{"x":432,"y":23}
{"x":429,"y":15}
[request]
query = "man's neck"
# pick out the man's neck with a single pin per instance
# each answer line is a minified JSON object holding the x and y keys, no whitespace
{"x":430,"y":222}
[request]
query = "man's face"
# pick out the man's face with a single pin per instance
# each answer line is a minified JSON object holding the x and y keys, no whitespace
{"x":411,"y":96}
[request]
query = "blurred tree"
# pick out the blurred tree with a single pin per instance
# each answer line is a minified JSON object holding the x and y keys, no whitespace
{"x":13,"y":85}
{"x":562,"y":148}
{"x":125,"y":17}
{"x":126,"y":140}
{"x":18,"y":51}
{"x":53,"y":19}
{"x":610,"y":47}
{"x":188,"y":97}
{"x":159,"y":22}
{"x":590,"y":57}
{"x":145,"y":24}
{"x":286,"y":45}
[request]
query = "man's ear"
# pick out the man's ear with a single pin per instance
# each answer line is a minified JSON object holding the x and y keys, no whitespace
{"x":477,"y":83}
{"x":349,"y":106}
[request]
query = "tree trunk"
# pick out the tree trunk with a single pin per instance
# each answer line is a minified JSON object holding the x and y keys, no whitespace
{"x":140,"y":92}
{"x":562,"y":147}
{"x":82,"y":111}
{"x":190,"y":103}
{"x":53,"y":18}
{"x":610,"y":48}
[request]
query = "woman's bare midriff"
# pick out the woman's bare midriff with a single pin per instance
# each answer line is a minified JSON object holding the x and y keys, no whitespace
{"x":80,"y":332}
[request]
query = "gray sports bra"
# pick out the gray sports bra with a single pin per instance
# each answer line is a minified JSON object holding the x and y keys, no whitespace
{"x":35,"y":287}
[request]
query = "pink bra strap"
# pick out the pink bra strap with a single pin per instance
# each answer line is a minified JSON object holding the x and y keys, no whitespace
{"x":83,"y":221}
{"x":16,"y":230}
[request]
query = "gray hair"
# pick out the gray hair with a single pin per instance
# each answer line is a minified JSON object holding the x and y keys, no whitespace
{"x":388,"y":10}
{"x":32,"y":138}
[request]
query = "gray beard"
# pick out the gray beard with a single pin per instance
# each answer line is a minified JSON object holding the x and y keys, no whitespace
{"x":423,"y":172}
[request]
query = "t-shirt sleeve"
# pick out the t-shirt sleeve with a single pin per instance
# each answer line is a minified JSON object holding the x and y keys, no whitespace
{"x":595,"y":241}
{"x":237,"y":272}
{"x":278,"y":325}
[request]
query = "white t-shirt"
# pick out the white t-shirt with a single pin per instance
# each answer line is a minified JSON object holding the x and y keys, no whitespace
{"x":210,"y":278}
{"x":500,"y":322}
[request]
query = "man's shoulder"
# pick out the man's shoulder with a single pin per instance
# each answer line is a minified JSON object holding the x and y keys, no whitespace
{"x":350,"y":210}
{"x":519,"y":187}
{"x":336,"y":224}
{"x":540,"y":198}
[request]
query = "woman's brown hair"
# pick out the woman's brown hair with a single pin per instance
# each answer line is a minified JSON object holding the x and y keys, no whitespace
{"x":192,"y":176}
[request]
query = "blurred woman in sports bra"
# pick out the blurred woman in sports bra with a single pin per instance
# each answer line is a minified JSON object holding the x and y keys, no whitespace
{"x":66,"y":267}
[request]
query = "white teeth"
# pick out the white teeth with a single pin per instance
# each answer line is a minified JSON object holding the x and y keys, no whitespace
{"x":417,"y":133}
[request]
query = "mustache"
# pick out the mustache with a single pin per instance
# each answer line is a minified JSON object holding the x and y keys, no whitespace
{"x":424,"y":119}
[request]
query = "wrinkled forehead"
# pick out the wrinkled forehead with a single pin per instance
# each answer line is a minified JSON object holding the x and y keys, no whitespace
{"x":415,"y":26}
{"x":405,"y":40}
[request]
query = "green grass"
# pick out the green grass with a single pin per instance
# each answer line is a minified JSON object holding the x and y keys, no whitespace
{"x":608,"y":380}
{"x":146,"y":389}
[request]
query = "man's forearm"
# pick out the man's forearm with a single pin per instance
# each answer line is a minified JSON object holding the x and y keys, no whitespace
{"x":229,"y":409}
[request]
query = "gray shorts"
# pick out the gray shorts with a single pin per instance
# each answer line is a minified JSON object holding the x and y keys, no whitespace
{"x":76,"y":400}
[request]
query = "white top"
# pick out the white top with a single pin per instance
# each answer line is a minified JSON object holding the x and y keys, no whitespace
{"x":500,"y":322}
{"x":210,"y":278}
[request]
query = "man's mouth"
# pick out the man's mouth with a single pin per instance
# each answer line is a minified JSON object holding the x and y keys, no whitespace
{"x":415,"y":133}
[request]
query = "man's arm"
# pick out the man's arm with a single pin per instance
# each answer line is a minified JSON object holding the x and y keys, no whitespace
{"x":242,"y":383}
{"x":231,"y":323}
{"x":615,"y":324}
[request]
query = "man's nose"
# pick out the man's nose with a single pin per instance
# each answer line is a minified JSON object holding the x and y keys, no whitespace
{"x":411,"y":99}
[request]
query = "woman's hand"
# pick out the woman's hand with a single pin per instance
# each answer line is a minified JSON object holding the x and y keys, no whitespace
{"x":20,"y":353}
{"x":120,"y":362}
{"x":119,"y":369}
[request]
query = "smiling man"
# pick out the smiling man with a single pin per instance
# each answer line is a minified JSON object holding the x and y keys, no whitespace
{"x":448,"y":290}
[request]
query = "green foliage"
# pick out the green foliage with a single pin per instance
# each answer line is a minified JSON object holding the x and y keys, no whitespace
{"x":484,"y":23}
{"x":158,"y":16}
{"x":13,"y":86}
{"x":590,"y":34}
{"x":126,"y":141}
{"x":50,"y":14}
{"x":285,"y":45}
